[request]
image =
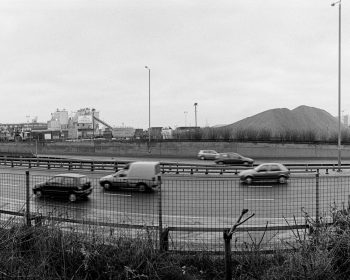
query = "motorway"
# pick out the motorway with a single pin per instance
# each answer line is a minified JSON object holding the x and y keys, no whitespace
{"x":186,"y":201}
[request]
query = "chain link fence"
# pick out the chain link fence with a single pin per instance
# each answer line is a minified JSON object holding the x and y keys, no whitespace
{"x":184,"y":213}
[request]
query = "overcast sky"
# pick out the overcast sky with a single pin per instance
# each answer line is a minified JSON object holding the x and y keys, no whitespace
{"x":234,"y":58}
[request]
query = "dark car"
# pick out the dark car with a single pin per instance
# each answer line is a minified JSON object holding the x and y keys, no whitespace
{"x":266,"y":172}
{"x":233,"y":158}
{"x":70,"y":185}
{"x":207,"y":154}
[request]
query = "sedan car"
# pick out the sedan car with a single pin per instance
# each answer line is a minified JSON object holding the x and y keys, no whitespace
{"x":233,"y":158}
{"x":266,"y":172}
{"x":207,"y":154}
{"x":70,"y":185}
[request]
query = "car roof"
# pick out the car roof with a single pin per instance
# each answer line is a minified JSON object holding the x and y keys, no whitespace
{"x":73,"y":175}
{"x":145,"y":162}
{"x":271,"y":163}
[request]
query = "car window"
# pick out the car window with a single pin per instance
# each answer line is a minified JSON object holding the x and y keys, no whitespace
{"x":56,"y":180}
{"x":264,"y":168}
{"x":83,"y":180}
{"x":275,"y":168}
{"x":68,"y":181}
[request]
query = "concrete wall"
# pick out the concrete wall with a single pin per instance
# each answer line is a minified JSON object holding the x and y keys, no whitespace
{"x":178,"y":149}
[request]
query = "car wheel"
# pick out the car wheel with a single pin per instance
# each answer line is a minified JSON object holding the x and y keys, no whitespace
{"x":282,"y":180}
{"x":220,"y":162}
{"x":202,"y":158}
{"x":72,"y":197}
{"x":142,"y":187}
{"x":38,"y":194}
{"x":248,"y":180}
{"x":246,"y":163}
{"x":107,"y":186}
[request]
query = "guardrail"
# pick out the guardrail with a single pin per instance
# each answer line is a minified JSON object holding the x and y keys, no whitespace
{"x":169,"y":168}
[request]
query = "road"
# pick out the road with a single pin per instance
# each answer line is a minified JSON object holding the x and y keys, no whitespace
{"x":191,"y":201}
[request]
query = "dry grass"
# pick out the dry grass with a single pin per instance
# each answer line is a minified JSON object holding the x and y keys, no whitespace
{"x":49,"y":253}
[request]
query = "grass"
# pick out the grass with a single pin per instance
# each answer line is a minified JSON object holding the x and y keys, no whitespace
{"x":49,"y":253}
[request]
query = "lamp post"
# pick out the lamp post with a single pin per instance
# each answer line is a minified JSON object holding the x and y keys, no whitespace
{"x":195,"y":113}
{"x":339,"y":85}
{"x":149,"y":105}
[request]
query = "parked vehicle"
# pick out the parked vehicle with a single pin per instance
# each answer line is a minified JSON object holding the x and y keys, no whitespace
{"x":233,"y":158}
{"x":70,"y":185}
{"x":207,"y":154}
{"x":266,"y":172}
{"x":142,"y":176}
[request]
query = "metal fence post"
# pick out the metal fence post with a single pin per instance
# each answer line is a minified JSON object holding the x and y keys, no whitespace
{"x":228,"y":261}
{"x":317,"y":199}
{"x":27,"y":200}
{"x":160,"y":219}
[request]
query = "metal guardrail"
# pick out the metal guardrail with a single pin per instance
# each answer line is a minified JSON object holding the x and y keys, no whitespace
{"x":169,"y":168}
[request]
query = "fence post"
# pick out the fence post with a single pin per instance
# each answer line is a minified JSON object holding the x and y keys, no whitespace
{"x":164,"y":240}
{"x":27,"y":200}
{"x":92,"y":166}
{"x":317,"y":199}
{"x":160,"y":218}
{"x":228,"y":261}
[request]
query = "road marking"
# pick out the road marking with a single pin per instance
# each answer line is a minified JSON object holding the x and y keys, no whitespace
{"x":259,"y":186}
{"x":259,"y":199}
{"x":11,"y":185}
{"x":117,"y":194}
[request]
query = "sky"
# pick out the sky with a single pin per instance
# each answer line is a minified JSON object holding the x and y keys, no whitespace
{"x":233,"y":58}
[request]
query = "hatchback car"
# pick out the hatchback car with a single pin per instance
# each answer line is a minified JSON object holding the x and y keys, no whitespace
{"x":70,"y":185}
{"x":207,"y":154}
{"x":233,"y":158}
{"x":266,"y":172}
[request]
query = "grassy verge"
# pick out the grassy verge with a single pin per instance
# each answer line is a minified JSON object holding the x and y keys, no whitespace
{"x":49,"y":253}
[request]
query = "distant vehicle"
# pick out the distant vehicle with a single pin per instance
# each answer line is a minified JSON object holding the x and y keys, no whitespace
{"x":233,"y":158}
{"x":141,"y":175}
{"x":266,"y":172}
{"x":207,"y":154}
{"x":70,"y":185}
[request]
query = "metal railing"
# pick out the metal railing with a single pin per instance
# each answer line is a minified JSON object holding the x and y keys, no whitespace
{"x":184,"y":214}
{"x":166,"y":167}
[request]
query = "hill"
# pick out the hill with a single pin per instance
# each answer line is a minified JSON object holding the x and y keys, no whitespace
{"x":303,"y":119}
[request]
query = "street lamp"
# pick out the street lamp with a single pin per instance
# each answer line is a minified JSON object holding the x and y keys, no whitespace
{"x":195,"y":113}
{"x":339,"y":85}
{"x":149,"y":105}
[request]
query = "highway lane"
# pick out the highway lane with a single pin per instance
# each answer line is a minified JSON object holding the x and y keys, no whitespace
{"x":186,"y":201}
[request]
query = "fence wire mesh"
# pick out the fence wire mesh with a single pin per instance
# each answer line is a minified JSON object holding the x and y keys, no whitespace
{"x":185,"y":213}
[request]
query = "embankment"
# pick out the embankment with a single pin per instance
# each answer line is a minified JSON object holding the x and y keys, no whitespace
{"x":175,"y":149}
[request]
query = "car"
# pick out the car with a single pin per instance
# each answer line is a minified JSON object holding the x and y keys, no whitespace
{"x":70,"y":185}
{"x":233,"y":158}
{"x":207,"y":154}
{"x":142,"y":176}
{"x":266,"y":172}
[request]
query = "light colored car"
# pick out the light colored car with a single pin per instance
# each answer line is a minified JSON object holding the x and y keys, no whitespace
{"x":266,"y":172}
{"x":140,"y":175}
{"x":233,"y":158}
{"x":207,"y":154}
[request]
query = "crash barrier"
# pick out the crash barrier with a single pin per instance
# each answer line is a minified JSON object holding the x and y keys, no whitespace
{"x":166,"y":167}
{"x":185,"y":214}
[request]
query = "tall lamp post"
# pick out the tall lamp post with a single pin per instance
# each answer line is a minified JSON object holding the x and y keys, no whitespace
{"x":339,"y":85}
{"x":149,"y":105}
{"x":195,"y":113}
